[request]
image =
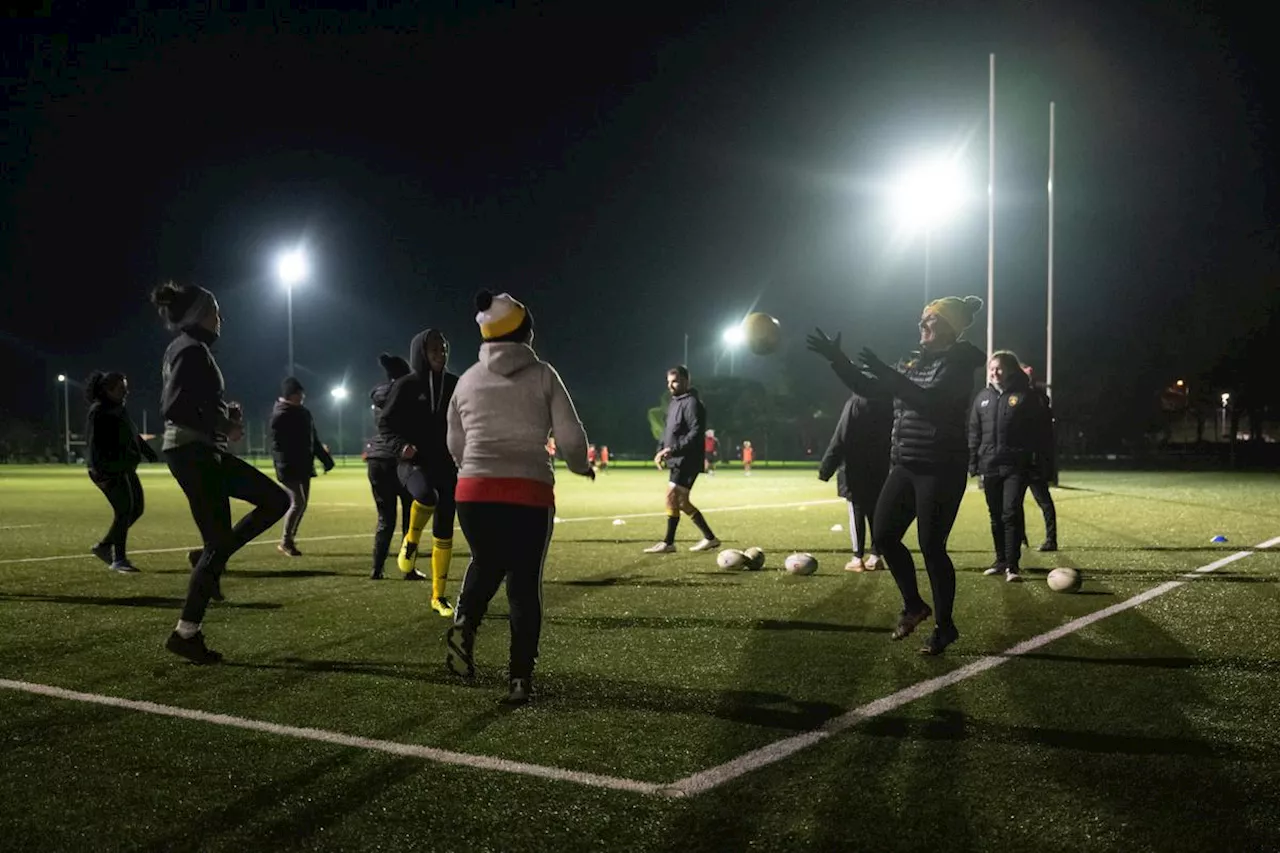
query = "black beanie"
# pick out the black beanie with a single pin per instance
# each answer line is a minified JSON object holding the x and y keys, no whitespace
{"x":394,"y":365}
{"x":291,"y":386}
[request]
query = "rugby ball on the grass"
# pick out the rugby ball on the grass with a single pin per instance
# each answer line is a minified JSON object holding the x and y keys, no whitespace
{"x":1065,"y":580}
{"x":755,"y":559}
{"x":801,"y":564}
{"x":731,"y":558}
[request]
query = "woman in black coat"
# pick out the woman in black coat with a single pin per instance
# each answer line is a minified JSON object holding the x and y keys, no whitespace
{"x":115,"y":449}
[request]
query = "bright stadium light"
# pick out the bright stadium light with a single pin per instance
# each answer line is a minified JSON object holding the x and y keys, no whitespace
{"x":928,"y":196}
{"x":339,"y":393}
{"x":292,"y":267}
{"x":62,"y":377}
{"x":734,"y":336}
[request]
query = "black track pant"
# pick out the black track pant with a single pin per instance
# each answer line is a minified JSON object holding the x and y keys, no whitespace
{"x":384,"y":480}
{"x":210,"y":478}
{"x":1005,"y":493}
{"x":299,"y":496}
{"x":507,"y":541}
{"x":930,"y":497}
{"x":1040,"y":491}
{"x":434,"y":490}
{"x":124,"y":492}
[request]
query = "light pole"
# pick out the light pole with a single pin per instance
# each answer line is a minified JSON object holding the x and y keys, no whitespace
{"x":66,"y":417}
{"x":926,"y":197}
{"x":339,"y":397}
{"x":733,"y":338}
{"x":292,"y":269}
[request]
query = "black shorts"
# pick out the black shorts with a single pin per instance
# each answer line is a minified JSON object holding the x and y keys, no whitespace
{"x":684,"y":476}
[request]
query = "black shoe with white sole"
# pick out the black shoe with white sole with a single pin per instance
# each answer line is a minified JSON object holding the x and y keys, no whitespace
{"x":192,"y":648}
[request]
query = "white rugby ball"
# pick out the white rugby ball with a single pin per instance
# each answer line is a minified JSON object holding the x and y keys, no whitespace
{"x":1065,"y":580}
{"x":755,"y":558}
{"x":801,"y":564}
{"x":731,"y":558}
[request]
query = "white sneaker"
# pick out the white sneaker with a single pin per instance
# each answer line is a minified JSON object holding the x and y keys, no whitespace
{"x":660,"y":548}
{"x":994,"y":570}
{"x":1012,"y":576}
{"x":854,"y":565}
{"x":871,"y":562}
{"x":704,"y":545}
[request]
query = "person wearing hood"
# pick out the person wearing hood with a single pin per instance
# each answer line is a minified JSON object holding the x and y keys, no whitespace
{"x":198,"y":424}
{"x":414,"y":420}
{"x":683,"y":451}
{"x":859,"y":457}
{"x":928,"y":453}
{"x":294,"y":444}
{"x":501,"y":418}
{"x":1009,"y":441}
{"x":114,"y":451}
{"x":383,"y":464}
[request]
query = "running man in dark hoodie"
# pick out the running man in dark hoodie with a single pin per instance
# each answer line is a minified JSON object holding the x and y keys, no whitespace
{"x":198,"y":424}
{"x":683,"y":451}
{"x":294,"y":444}
{"x":415,"y":420}
{"x":383,"y":463}
{"x":115,"y":449}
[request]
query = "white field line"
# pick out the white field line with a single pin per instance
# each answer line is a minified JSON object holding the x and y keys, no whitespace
{"x":269,"y":541}
{"x":699,"y":782}
{"x":19,"y":526}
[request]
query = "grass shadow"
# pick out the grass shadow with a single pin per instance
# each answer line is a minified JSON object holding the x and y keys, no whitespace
{"x":129,"y":601}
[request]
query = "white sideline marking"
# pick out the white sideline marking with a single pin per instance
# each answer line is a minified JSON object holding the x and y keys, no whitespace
{"x":19,"y":526}
{"x":697,"y":783}
{"x":440,"y":756}
{"x":256,"y":542}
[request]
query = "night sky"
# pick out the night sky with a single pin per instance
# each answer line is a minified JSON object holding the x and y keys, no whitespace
{"x":633,"y":176}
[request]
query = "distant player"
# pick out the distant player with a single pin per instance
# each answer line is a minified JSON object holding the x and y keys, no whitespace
{"x":591,"y":455}
{"x":748,"y":456}
{"x":114,"y":450}
{"x":294,"y":443}
{"x":711,"y":449}
{"x":604,"y":457}
{"x":1046,"y":474}
{"x":683,"y":449}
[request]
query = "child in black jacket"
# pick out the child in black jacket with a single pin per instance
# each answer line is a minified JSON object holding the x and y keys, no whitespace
{"x":115,"y":449}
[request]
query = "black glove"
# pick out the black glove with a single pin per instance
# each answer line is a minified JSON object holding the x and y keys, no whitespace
{"x":828,"y":348}
{"x":872,"y":363}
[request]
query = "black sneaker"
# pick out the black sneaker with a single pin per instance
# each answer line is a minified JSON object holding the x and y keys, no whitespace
{"x":375,"y":575}
{"x":102,"y":551}
{"x":461,"y":658}
{"x":939,"y":640}
{"x":414,"y":575}
{"x":288,"y":549}
{"x":907,"y":622}
{"x":519,"y":692}
{"x":124,"y":567}
{"x":1048,"y":545}
{"x":192,"y":648}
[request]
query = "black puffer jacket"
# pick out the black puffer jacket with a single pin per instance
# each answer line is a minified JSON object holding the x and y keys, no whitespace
{"x":1009,"y":431}
{"x":859,"y":447}
{"x":686,"y":431}
{"x":112,"y":442}
{"x":382,"y":445}
{"x":416,"y":412}
{"x":294,"y":443}
{"x":931,"y":393}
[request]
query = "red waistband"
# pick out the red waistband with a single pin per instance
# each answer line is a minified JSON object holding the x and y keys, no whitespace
{"x":505,"y":490}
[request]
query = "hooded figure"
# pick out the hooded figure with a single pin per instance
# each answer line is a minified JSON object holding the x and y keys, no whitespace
{"x":382,"y":461}
{"x":414,"y":423}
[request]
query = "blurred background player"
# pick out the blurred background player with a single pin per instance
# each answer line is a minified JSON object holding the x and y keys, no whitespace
{"x":114,"y":451}
{"x":604,"y":458}
{"x":416,"y":419}
{"x":1045,"y":474}
{"x":382,"y":460}
{"x":711,"y":451}
{"x":748,"y":456}
{"x":683,"y":446}
{"x":859,"y":456}
{"x":1008,"y":436}
{"x":591,"y":455}
{"x":505,"y":407}
{"x":294,"y":444}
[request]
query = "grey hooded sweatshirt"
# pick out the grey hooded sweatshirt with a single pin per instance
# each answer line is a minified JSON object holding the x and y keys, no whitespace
{"x":502,"y":412}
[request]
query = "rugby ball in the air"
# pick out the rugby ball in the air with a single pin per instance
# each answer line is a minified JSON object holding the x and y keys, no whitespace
{"x":731,"y":558}
{"x":762,"y":332}
{"x":1065,"y":580}
{"x":801,"y":564}
{"x":755,"y":558}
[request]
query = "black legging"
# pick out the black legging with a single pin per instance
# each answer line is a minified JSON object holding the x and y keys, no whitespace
{"x":507,"y":541}
{"x":434,"y":490}
{"x":1005,"y":493}
{"x":930,"y":497}
{"x":124,"y":491}
{"x":1040,"y":491}
{"x":387,"y":492}
{"x":210,"y":478}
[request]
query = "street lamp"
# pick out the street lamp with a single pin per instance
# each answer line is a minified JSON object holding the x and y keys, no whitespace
{"x":733,"y":337}
{"x":339,"y":395}
{"x":928,"y":196}
{"x":292,"y":269}
{"x":66,"y":417}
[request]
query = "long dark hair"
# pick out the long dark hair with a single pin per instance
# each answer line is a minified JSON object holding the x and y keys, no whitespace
{"x":95,"y":387}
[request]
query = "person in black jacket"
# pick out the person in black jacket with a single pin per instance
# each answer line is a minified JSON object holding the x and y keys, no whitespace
{"x":683,"y":452}
{"x":415,"y":421}
{"x":294,"y":444}
{"x":931,"y":390}
{"x":198,"y":424}
{"x":859,"y":456}
{"x":114,"y":451}
{"x":383,"y":461}
{"x":1008,"y":438}
{"x":1046,"y":473}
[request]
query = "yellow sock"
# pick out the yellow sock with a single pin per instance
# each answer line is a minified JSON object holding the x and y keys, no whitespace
{"x":441,"y":556}
{"x":419,"y":515}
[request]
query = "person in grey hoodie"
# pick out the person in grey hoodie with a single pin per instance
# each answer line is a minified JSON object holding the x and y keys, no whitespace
{"x":500,"y":418}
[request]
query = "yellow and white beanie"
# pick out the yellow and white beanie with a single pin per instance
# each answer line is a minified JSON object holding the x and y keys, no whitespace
{"x":956,"y":312}
{"x":500,"y":315}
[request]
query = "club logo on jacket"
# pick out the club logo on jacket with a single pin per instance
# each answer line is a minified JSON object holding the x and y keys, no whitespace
{"x":1013,"y":399}
{"x":982,"y":404}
